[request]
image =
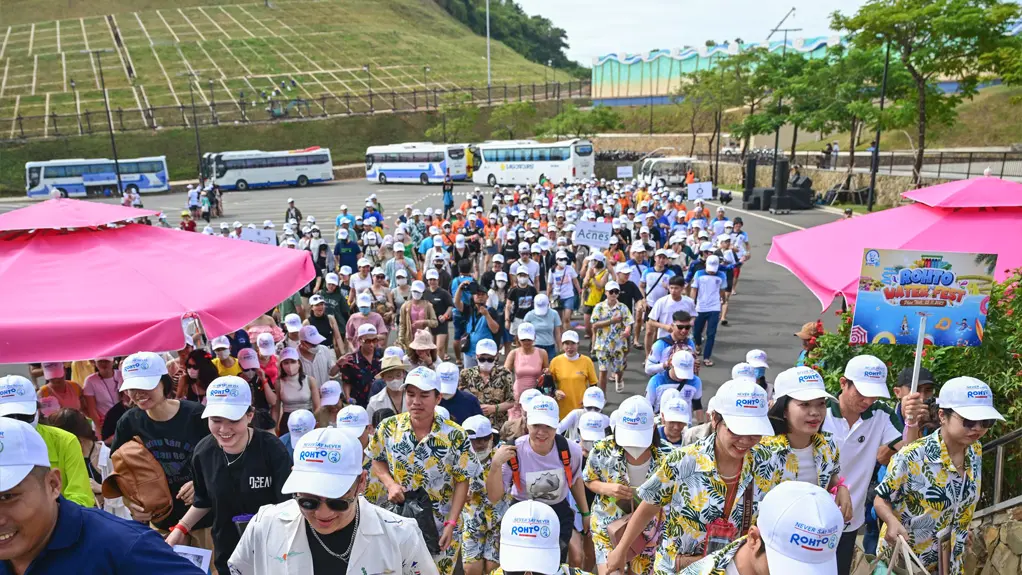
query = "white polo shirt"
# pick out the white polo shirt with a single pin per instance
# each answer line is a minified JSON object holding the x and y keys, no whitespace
{"x":858,"y":446}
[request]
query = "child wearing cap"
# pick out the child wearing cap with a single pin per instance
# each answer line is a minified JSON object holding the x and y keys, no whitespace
{"x":593,"y":401}
{"x":480,"y":518}
{"x":675,"y":416}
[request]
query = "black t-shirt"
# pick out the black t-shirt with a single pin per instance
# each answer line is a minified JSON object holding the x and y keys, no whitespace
{"x":111,"y":418}
{"x":441,"y":300}
{"x":630,"y":293}
{"x":510,"y":252}
{"x":338,"y":542}
{"x":487,"y":279}
{"x":240,"y":488}
{"x":521,"y":300}
{"x":172,"y":443}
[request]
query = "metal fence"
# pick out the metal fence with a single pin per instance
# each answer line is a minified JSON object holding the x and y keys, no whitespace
{"x":951,"y":165}
{"x":251,"y":111}
{"x":1005,"y":489}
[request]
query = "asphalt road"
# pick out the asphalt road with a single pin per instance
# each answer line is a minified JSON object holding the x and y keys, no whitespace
{"x":771,"y":305}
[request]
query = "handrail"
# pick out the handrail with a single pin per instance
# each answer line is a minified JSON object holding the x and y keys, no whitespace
{"x":1006,"y":438}
{"x":998,"y":445}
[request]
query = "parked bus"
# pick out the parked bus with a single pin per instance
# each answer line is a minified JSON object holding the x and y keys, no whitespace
{"x":668,"y":171}
{"x":257,"y":169}
{"x":79,"y":178}
{"x":526,"y":162}
{"x":422,"y":162}
{"x":472,"y":159}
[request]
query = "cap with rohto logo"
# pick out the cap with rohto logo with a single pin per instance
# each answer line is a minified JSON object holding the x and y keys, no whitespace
{"x":327,"y":462}
{"x":353,"y":420}
{"x":542,"y":411}
{"x":22,"y":448}
{"x":594,"y":397}
{"x":423,"y":378}
{"x":477,"y":427}
{"x":17,"y":397}
{"x":530,"y":538}
{"x":800,"y":383}
{"x":142,"y":370}
{"x":743,"y":370}
{"x":968,"y":397}
{"x":593,"y":426}
{"x":800,"y":525}
{"x":635,"y":423}
{"x":743,"y":405}
{"x":299,"y":423}
{"x":228,"y":396}
{"x":869,"y":374}
{"x":329,"y":393}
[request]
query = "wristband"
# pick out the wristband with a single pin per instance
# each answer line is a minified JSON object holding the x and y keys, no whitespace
{"x":840,"y":483}
{"x":451,"y":523}
{"x":587,"y":514}
{"x":180,"y":528}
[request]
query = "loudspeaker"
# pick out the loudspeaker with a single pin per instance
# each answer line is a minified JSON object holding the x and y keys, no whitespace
{"x":781,"y":176}
{"x":780,"y":204}
{"x":801,"y":198}
{"x":804,"y":182}
{"x":750,"y":175}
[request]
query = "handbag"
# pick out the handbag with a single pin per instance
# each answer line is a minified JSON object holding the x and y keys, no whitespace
{"x":862,"y":563}
{"x":646,"y":541}
{"x":911,"y":564}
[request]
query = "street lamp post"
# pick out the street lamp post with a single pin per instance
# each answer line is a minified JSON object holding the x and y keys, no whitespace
{"x":489,"y":79}
{"x":195,"y":122}
{"x":212,"y":99}
{"x":109,"y":118}
{"x":365,"y":68}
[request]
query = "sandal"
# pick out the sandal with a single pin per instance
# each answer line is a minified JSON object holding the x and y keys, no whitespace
{"x":637,"y":346}
{"x":708,"y":362}
{"x":619,"y":385}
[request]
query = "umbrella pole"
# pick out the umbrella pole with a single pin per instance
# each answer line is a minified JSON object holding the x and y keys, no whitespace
{"x":918,"y":362}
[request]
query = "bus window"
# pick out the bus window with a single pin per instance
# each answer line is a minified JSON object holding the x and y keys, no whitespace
{"x":584,"y":149}
{"x":54,"y":172}
{"x":541,"y":154}
{"x":369,"y":161}
{"x":33,"y":177}
{"x":490,"y":155}
{"x":523,"y":155}
{"x":504,"y":155}
{"x":436,"y":157}
{"x":456,"y":153}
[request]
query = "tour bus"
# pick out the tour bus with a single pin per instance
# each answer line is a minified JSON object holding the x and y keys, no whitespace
{"x":471,"y":159}
{"x":78,"y":178}
{"x":668,"y":171}
{"x":526,"y":162}
{"x":422,"y":162}
{"x":257,"y":169}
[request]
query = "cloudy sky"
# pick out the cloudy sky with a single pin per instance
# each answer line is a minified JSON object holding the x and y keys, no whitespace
{"x":598,"y":27}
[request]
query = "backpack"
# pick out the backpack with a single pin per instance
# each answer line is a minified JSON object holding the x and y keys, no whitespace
{"x":562,"y":450}
{"x":138,"y":477}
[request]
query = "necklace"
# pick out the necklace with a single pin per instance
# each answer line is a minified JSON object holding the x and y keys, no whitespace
{"x":238,"y":458}
{"x":347,"y":553}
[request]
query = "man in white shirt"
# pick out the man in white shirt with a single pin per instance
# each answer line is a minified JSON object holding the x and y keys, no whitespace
{"x":662,"y":313}
{"x":709,"y":286}
{"x":316,"y":359}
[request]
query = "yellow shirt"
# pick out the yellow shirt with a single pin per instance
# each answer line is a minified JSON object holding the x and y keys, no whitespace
{"x":595,"y":291}
{"x":572,"y":377}
{"x":233,"y":370}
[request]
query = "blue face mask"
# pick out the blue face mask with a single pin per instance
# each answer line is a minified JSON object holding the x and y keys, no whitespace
{"x":760,"y":372}
{"x":364,"y":310}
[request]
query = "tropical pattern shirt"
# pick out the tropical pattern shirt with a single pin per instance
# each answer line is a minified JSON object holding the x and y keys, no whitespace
{"x":480,"y":519}
{"x":929,"y":495}
{"x":716,"y":563}
{"x":499,"y":389}
{"x":360,"y":374}
{"x":444,"y":457}
{"x":692,"y":494}
{"x":563,"y":570}
{"x":607,"y":463}
{"x":375,"y":492}
{"x":775,"y":461}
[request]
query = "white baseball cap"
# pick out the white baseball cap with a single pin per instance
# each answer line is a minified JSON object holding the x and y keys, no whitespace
{"x":17,"y":396}
{"x":683,"y":364}
{"x":800,"y":383}
{"x":423,"y":378}
{"x":800,"y":525}
{"x":743,"y":405}
{"x":612,"y":285}
{"x":447,"y":377}
{"x":706,"y":247}
{"x":594,"y":397}
{"x":569,"y":335}
{"x":757,"y":358}
{"x":221,"y":343}
{"x":635,"y":423}
{"x":310,"y":334}
{"x":332,"y":279}
{"x":248,"y":358}
{"x":743,"y":370}
{"x":353,"y":420}
{"x":363,"y":300}
{"x":968,"y":397}
{"x":293,"y":323}
{"x":486,"y":347}
{"x":366,"y":329}
{"x":329,"y":392}
{"x":527,"y":396}
{"x":530,"y":538}
{"x":300,"y":422}
{"x":869,"y":374}
{"x":526,"y":331}
{"x":432,"y":275}
{"x":142,"y":370}
{"x":364,"y":262}
{"x":265,"y":344}
{"x":542,"y":410}
{"x":442,"y":412}
{"x":593,"y":426}
{"x":327,"y":461}
{"x":23,"y":450}
{"x":541,"y":305}
{"x":477,"y":427}
{"x":316,"y":299}
{"x":712,"y":264}
{"x":229,"y":397}
{"x":289,"y":353}
{"x":675,"y":409}
{"x":345,"y":270}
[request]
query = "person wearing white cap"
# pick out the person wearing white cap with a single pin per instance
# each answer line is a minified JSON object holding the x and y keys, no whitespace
{"x":264,"y":396}
{"x":709,"y":290}
{"x":292,"y":212}
{"x":490,"y":383}
{"x":861,"y":425}
{"x":615,"y":468}
{"x":391,"y":397}
{"x":543,"y":466}
{"x":612,"y":325}
{"x":42,"y":532}
{"x":680,"y":377}
{"x":480,"y":519}
{"x":360,"y":282}
{"x":292,"y":330}
{"x":595,"y":276}
{"x":562,"y":285}
{"x":459,"y":403}
{"x":932,"y":485}
{"x":796,"y":532}
{"x":654,"y":283}
{"x":58,"y":392}
{"x":238,"y":469}
{"x":661,"y":313}
{"x":659,"y":357}
{"x":415,"y":315}
{"x":299,"y":423}
{"x":336,"y":306}
{"x":593,"y":401}
{"x":442,"y":465}
{"x":546,"y":324}
{"x":317,"y":359}
{"x":358,"y":369}
{"x":675,"y":416}
{"x":297,"y":389}
{"x":225,"y":364}
{"x":331,"y":400}
{"x":328,"y":527}
{"x":687,"y":485}
{"x":531,"y":541}
{"x":527,"y":362}
{"x":574,"y":374}
{"x":399,"y":262}
{"x":326,"y":324}
{"x":99,"y":391}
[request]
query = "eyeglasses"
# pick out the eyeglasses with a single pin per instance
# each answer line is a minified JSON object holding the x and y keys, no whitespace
{"x":614,"y":291}
{"x":682,"y":326}
{"x":970,"y":423}
{"x":310,"y":503}
{"x":485,"y":358}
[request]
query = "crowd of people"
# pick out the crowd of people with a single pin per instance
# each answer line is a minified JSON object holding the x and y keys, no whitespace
{"x":348,"y":428}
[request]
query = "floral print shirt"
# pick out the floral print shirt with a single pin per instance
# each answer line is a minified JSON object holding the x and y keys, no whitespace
{"x":499,"y":389}
{"x":610,"y":338}
{"x":929,"y":495}
{"x":775,"y":461}
{"x":692,"y":494}
{"x":360,"y":374}
{"x":715,"y":564}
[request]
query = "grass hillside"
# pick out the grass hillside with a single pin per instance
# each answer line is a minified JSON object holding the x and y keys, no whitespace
{"x":233,"y":48}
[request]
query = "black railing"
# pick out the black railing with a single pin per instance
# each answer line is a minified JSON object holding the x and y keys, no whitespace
{"x":245,"y":111}
{"x":1000,"y":489}
{"x":949,"y":165}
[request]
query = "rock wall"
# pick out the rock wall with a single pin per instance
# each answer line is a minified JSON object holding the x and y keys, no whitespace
{"x":996,"y":544}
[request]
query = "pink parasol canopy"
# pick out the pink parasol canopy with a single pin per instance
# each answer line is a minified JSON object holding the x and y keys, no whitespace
{"x":828,"y":258}
{"x":982,"y":192}
{"x":62,"y":214}
{"x":111,"y":292}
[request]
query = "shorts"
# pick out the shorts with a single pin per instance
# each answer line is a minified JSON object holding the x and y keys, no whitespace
{"x":587,"y":309}
{"x":514,"y":326}
{"x":459,"y":327}
{"x":566,"y":303}
{"x":442,"y":328}
{"x":611,"y":362}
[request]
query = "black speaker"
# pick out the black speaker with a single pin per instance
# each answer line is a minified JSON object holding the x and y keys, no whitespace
{"x":781,"y":177}
{"x":750,"y":175}
{"x":780,"y":204}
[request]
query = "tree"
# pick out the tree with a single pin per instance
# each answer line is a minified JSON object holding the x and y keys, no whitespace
{"x":512,"y":118}
{"x":578,"y":123}
{"x":456,"y":120}
{"x":748,"y":82}
{"x":934,"y":40}
{"x":700,"y":99}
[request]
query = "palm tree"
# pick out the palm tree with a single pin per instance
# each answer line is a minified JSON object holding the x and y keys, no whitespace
{"x":988,"y":260}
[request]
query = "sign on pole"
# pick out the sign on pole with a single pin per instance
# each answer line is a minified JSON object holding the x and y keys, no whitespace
{"x":624,"y":172}
{"x":593,"y":234}
{"x":700,"y":191}
{"x":265,"y":237}
{"x":921,"y":297}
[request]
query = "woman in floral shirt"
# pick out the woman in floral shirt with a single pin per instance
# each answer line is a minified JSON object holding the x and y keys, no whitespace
{"x":480,"y":519}
{"x":612,"y":325}
{"x":492,"y":384}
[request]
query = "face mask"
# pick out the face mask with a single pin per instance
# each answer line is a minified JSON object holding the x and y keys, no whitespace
{"x":291,"y":370}
{"x":635,"y":452}
{"x":249,"y":373}
{"x":416,"y":296}
{"x":523,"y":281}
{"x":486,"y":365}
{"x":586,"y":445}
{"x":394,"y":384}
{"x":402,"y":281}
{"x":223,"y":353}
{"x":364,"y":310}
{"x":501,"y":284}
{"x":439,"y":265}
{"x":193,"y":374}
{"x":760,"y":372}
{"x":35,"y":420}
{"x":572,"y":356}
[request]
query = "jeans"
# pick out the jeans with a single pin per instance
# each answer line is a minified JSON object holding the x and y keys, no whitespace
{"x":709,"y":319}
{"x":551,"y":350}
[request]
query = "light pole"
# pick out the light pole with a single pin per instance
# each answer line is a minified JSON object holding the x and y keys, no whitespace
{"x":489,"y":79}
{"x":365,"y":68}
{"x":195,"y":122}
{"x":876,"y":145}
{"x":784,"y":52}
{"x":106,"y":105}
{"x":78,"y":112}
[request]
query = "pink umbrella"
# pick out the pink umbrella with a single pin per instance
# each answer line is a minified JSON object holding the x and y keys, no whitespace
{"x":110,"y":292}
{"x":62,"y":214}
{"x":982,"y":192}
{"x":828,"y":258}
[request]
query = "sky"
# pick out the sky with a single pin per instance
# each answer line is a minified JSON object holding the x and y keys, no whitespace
{"x":598,"y":27}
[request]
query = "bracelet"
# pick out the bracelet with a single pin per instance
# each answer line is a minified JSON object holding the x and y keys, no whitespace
{"x":451,"y":523}
{"x":840,"y":483}
{"x":912,"y":424}
{"x":587,"y":514}
{"x":180,"y":528}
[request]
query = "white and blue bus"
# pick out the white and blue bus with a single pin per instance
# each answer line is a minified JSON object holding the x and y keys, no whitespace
{"x":422,"y":162}
{"x":257,"y":169}
{"x":79,"y":178}
{"x":527,"y":162}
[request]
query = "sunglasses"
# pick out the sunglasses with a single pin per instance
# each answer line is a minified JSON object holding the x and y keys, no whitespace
{"x":485,"y":358}
{"x":614,"y":291}
{"x":682,"y":326}
{"x":310,"y":503}
{"x":970,"y":423}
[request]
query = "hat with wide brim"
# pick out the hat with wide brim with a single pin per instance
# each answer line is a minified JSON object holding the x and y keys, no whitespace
{"x":423,"y":341}
{"x":391,"y":364}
